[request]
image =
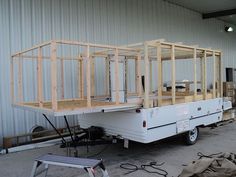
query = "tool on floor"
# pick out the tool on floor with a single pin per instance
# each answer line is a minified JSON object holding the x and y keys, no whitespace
{"x":88,"y":164}
{"x":152,"y":167}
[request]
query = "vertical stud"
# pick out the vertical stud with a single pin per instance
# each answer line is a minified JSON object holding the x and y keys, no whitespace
{"x":139,"y":80}
{"x":81,"y":70}
{"x":159,"y":81}
{"x":205,"y":76}
{"x":214,"y":74}
{"x":107,"y":75}
{"x":88,"y":76}
{"x":54,"y":75}
{"x":147,"y":72}
{"x":12,"y":80}
{"x":173,"y":73}
{"x":20,"y":79}
{"x":117,"y":78}
{"x":39,"y":77}
{"x":92,"y":76}
{"x":195,"y":73}
{"x":62,"y":79}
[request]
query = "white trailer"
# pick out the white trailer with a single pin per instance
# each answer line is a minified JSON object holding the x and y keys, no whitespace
{"x":152,"y":124}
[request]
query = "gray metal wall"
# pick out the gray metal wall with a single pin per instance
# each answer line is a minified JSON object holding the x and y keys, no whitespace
{"x":25,"y":23}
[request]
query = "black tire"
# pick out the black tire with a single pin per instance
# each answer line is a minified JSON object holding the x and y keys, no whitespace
{"x":191,"y":136}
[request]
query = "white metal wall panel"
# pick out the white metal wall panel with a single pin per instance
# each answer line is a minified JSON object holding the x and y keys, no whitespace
{"x":28,"y":22}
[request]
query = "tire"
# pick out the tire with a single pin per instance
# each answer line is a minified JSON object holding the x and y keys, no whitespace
{"x":191,"y":136}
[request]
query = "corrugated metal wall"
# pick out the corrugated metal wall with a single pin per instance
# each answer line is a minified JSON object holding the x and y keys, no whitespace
{"x":28,"y":22}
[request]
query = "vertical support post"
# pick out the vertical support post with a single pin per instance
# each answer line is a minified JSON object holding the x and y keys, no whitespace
{"x":150,"y":76}
{"x":92,"y":76}
{"x":205,"y":76}
{"x":39,"y":77}
{"x":12,"y":80}
{"x":88,"y":76}
{"x":62,"y":79}
{"x":214,"y":75}
{"x":126,"y":77}
{"x":159,"y":80}
{"x":117,"y":78}
{"x":173,"y":73}
{"x":54,"y":75}
{"x":139,"y":81}
{"x":136,"y":74}
{"x":202,"y":74}
{"x":195,"y":73}
{"x":20,"y":79}
{"x":220,"y":76}
{"x":81,"y":74}
{"x":147,"y":67}
{"x":107,"y":75}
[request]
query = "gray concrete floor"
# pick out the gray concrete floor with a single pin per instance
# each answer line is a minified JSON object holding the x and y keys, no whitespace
{"x":172,"y":151}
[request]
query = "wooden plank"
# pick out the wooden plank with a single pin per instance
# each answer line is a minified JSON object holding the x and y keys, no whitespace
{"x":88,"y":77}
{"x":205,"y":76}
{"x":62,"y":79}
{"x":159,"y":78}
{"x":32,"y":48}
{"x":202,"y":75}
{"x":173,"y":73}
{"x":220,"y":76}
{"x":139,"y":76}
{"x":147,"y":72}
{"x":20,"y":80}
{"x":195,"y":73}
{"x":40,"y":77}
{"x":107,"y":78}
{"x":54,"y":76}
{"x":92,"y":76}
{"x":214,"y":75}
{"x":117,"y":78}
{"x":136,"y":75}
{"x":96,"y":45}
{"x":81,"y":70}
{"x":49,"y":57}
{"x":12,"y":81}
{"x":150,"y":76}
{"x":126,"y":76}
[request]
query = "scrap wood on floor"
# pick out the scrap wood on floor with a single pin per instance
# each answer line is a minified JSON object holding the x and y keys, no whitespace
{"x":214,"y":165}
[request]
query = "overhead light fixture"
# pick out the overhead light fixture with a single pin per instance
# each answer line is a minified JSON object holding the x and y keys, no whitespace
{"x":229,"y":29}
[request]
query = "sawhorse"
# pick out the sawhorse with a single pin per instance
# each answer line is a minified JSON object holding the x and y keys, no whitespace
{"x":88,"y":164}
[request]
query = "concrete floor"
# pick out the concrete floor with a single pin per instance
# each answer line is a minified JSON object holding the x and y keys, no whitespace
{"x":172,"y":151}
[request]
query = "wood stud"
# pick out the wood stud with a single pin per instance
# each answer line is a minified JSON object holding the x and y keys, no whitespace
{"x":20,"y":79}
{"x":117,"y":78}
{"x":40,"y":77}
{"x":88,"y":76}
{"x":146,"y":79}
{"x":54,"y":76}
{"x":195,"y":72}
{"x":159,"y":80}
{"x":173,"y":73}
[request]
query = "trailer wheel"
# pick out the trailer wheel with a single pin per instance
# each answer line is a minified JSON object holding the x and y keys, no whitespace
{"x":191,"y":136}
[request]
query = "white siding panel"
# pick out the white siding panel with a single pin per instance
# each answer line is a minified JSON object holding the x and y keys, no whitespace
{"x":28,"y":22}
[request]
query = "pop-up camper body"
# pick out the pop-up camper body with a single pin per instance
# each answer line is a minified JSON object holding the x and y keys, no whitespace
{"x":135,"y":92}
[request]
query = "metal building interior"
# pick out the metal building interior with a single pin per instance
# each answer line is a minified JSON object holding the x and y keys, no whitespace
{"x":120,"y":80}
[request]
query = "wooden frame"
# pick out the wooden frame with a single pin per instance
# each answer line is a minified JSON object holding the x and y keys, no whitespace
{"x":144,"y":55}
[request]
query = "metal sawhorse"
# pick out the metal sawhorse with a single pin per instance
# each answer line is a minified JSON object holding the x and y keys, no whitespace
{"x":88,"y":164}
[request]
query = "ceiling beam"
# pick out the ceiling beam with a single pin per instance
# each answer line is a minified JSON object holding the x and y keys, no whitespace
{"x":219,"y":13}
